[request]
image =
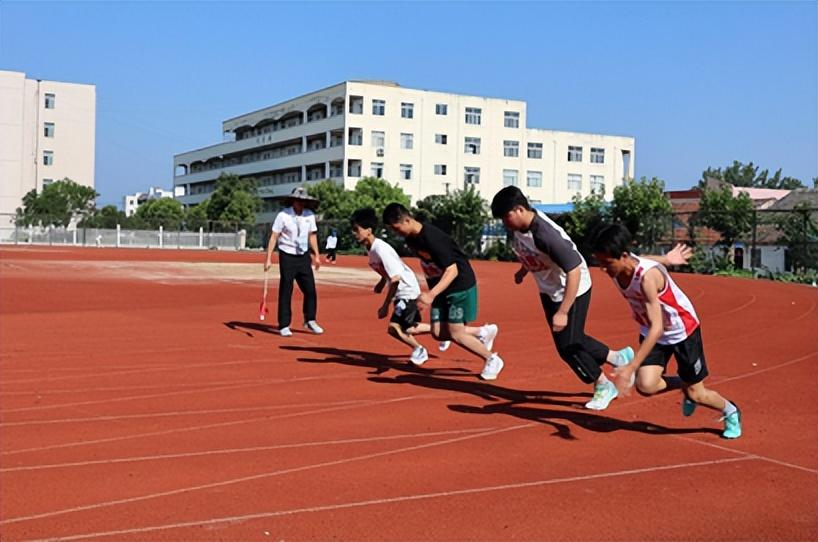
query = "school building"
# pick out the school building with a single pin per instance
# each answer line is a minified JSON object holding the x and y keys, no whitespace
{"x":427,"y":142}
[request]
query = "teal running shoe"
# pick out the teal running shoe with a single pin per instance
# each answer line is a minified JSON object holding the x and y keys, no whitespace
{"x":688,"y":406}
{"x":732,"y":425}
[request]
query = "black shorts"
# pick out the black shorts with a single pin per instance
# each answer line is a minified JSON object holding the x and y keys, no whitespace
{"x":405,"y":313}
{"x":689,"y":356}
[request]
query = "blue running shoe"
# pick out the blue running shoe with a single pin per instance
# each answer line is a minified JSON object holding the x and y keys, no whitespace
{"x":688,"y":406}
{"x":732,"y":425}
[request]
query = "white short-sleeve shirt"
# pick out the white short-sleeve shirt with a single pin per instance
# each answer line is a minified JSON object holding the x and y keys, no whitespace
{"x":386,"y":262}
{"x":294,"y":230}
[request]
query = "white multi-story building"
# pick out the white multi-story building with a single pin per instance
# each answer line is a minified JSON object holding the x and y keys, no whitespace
{"x":47,"y":133}
{"x":131,"y":202}
{"x":425,"y":141}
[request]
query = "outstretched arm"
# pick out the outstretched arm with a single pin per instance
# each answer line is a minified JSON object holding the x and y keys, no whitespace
{"x":678,"y":255}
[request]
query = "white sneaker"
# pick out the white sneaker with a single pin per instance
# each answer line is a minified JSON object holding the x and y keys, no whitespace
{"x":488,"y":333}
{"x":285,"y":332}
{"x":314,"y":327}
{"x":603,"y":395}
{"x":492,"y":368}
{"x":444,"y":345}
{"x":419,"y":356}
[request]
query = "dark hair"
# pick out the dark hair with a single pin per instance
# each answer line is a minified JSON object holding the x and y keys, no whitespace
{"x":394,"y":213}
{"x":365,"y":218}
{"x":612,"y":240}
{"x":507,"y":199}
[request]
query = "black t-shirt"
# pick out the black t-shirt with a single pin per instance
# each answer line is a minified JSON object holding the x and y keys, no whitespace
{"x":437,"y":251}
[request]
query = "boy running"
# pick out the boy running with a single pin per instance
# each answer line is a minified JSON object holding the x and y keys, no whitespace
{"x":403,"y":288}
{"x":668,"y":326}
{"x":452,"y":292}
{"x":546,"y":251}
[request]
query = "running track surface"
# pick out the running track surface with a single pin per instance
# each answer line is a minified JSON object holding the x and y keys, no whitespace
{"x":156,"y":407}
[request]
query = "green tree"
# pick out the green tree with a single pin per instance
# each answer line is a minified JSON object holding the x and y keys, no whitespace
{"x":799,"y":233}
{"x":57,"y":204}
{"x":106,"y":218}
{"x":234,"y":202}
{"x":644,"y":209}
{"x":748,"y":175}
{"x":462,"y":214}
{"x":166,"y":212}
{"x":196,"y":216}
{"x":336,"y":203}
{"x":587,"y":215}
{"x":730,"y":216}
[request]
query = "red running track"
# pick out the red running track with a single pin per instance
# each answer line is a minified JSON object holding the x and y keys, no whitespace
{"x":156,"y":407}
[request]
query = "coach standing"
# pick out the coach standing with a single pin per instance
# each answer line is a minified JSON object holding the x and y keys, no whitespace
{"x":294,"y":231}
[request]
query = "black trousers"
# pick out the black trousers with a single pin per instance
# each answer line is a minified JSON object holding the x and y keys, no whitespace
{"x":584,"y":354}
{"x":331,"y":254}
{"x":296,"y":268}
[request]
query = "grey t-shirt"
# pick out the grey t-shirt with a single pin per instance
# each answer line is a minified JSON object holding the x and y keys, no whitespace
{"x":548,"y":254}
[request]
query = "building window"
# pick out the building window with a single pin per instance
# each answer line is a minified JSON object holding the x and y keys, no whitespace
{"x":574,"y":183}
{"x":574,"y":154}
{"x":379,"y":107}
{"x":441,"y":109}
{"x":48,"y":158}
{"x":378,"y":139}
{"x":534,"y":178}
{"x":440,"y":169}
{"x":376,"y":169}
{"x":511,"y":148}
{"x":356,"y":136}
{"x":50,"y":99}
{"x":406,"y":172}
{"x":509,"y":177}
{"x":407,"y":110}
{"x":406,"y":141}
{"x":441,"y":139}
{"x":535,"y":150}
{"x":471,"y":175}
{"x":356,"y":107}
{"x":472,"y":145}
{"x":597,"y":155}
{"x":473,"y":115}
{"x":48,"y":129}
{"x":598,"y":184}
{"x":511,"y":119}
{"x":47,"y":182}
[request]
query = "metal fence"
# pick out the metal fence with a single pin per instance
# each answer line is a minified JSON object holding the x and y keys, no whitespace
{"x":10,"y":233}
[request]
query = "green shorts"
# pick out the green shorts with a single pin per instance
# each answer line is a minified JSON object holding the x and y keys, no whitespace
{"x":455,"y":307}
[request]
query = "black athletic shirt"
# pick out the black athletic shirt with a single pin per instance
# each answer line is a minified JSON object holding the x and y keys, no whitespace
{"x":437,"y":251}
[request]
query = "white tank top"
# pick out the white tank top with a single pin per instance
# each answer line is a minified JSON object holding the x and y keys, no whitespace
{"x":679,"y":318}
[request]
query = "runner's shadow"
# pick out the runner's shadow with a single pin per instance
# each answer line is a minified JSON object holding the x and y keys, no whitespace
{"x":592,"y":422}
{"x":380,"y":363}
{"x":484,"y":390}
{"x":255,"y":326}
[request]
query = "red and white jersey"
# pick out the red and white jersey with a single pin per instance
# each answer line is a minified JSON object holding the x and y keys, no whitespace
{"x":679,"y":318}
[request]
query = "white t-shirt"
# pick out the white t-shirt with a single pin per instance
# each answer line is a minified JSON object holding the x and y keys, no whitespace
{"x":294,"y":230}
{"x":332,"y":242}
{"x":548,"y":253}
{"x":386,"y":262}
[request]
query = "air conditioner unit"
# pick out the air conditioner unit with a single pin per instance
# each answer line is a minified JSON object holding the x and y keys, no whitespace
{"x":379,"y":152}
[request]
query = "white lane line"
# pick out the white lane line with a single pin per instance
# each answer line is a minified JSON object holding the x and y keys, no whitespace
{"x":249,"y":450}
{"x":749,"y":454}
{"x":264,"y":475}
{"x":209,"y":426}
{"x":205,"y":389}
{"x":404,"y":498}
{"x":182,"y":413}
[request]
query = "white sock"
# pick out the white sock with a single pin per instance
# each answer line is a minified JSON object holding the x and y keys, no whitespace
{"x":729,"y":408}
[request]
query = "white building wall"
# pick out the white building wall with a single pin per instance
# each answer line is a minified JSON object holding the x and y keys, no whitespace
{"x":23,"y":141}
{"x":425,"y":152}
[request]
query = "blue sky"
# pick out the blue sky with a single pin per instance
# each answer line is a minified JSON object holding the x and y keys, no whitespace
{"x":697,"y":83}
